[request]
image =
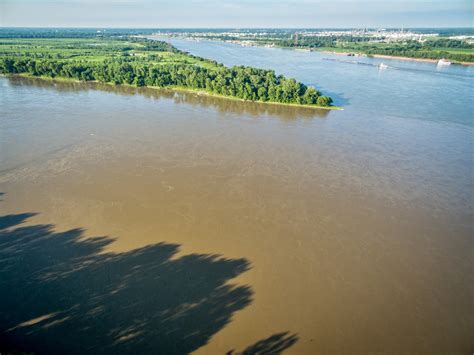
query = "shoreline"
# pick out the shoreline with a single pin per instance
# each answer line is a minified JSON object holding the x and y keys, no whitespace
{"x":426,"y":60}
{"x":183,"y":89}
{"x":385,"y":56}
{"x":202,"y":92}
{"x":406,"y":59}
{"x":380,"y":56}
{"x":357,"y":54}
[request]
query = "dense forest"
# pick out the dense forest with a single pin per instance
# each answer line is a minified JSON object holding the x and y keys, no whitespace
{"x":243,"y":82}
{"x":142,"y":62}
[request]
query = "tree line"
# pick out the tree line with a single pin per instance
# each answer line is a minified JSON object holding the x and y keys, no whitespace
{"x":431,"y":48}
{"x":239,"y":81}
{"x":19,"y":32}
{"x":428,"y":54}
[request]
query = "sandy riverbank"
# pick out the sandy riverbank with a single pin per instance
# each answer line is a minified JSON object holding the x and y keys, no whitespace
{"x":392,"y":57}
{"x":417,"y":59}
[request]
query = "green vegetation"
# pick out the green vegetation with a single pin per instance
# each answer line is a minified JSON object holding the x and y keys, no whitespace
{"x":435,"y":48}
{"x":25,"y":32}
{"x":141,"y":62}
{"x":454,"y":50}
{"x":432,"y":48}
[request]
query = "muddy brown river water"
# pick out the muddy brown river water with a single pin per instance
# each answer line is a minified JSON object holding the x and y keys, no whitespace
{"x":134,"y":220}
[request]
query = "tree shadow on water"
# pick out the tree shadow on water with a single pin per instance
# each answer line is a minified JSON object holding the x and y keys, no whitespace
{"x":274,"y":345}
{"x":61,"y":293}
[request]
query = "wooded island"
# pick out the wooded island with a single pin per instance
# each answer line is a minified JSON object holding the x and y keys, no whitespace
{"x":132,"y":60}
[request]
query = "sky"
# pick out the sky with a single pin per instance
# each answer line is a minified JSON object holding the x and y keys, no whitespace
{"x":236,"y":13}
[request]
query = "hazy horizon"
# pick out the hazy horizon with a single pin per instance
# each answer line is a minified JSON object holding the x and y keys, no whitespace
{"x":238,"y":28}
{"x":236,"y":14}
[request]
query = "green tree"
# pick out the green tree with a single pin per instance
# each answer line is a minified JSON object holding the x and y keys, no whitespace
{"x":324,"y":101}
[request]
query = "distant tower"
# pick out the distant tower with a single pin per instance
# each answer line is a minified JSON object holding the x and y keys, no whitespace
{"x":296,"y":38}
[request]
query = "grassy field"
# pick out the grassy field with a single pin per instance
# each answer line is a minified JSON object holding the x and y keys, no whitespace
{"x":94,"y":49}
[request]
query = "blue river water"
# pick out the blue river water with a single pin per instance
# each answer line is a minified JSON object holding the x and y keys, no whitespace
{"x":406,"y":89}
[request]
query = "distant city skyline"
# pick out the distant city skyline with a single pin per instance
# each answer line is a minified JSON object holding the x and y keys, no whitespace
{"x":236,"y":13}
